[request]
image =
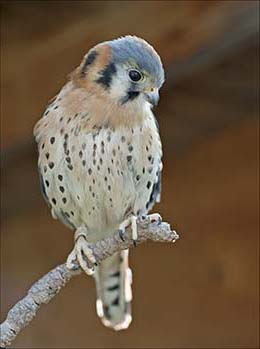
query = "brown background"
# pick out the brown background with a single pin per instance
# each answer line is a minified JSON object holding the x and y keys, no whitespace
{"x":202,"y":292}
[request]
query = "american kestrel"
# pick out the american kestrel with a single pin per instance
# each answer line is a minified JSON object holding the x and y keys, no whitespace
{"x":100,"y":159}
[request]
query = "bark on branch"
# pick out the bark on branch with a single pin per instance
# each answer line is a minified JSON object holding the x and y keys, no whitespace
{"x":50,"y":284}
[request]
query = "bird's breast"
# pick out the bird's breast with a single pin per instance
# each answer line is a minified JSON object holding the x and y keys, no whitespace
{"x":100,"y":176}
{"x":116,"y":172}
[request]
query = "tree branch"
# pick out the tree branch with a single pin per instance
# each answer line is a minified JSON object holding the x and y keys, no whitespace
{"x":50,"y":284}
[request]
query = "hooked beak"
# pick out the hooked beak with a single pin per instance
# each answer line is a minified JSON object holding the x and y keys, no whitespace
{"x":153,"y":97}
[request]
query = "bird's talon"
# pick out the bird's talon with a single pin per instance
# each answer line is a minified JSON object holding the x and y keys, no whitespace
{"x":155,"y":218}
{"x":129,"y":221}
{"x":142,"y":218}
{"x":82,"y":253}
{"x":159,"y":221}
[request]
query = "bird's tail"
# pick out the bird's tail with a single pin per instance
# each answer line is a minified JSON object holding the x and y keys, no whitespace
{"x":113,"y":283}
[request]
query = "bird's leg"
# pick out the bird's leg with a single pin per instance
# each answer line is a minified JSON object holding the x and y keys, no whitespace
{"x":81,"y":252}
{"x":122,"y":227}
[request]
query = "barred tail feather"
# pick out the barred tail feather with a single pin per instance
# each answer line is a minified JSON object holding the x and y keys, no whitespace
{"x":113,"y":283}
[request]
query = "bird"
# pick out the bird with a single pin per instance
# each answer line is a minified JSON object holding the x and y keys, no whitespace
{"x":100,"y":160}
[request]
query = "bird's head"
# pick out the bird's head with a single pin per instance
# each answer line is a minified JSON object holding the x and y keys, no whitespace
{"x":126,"y":70}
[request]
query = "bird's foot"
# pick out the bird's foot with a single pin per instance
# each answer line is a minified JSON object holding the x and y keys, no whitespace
{"x":122,"y":228}
{"x":154,"y":217}
{"x":82,"y":253}
{"x":151,"y":218}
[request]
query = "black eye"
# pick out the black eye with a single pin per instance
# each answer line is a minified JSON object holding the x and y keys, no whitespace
{"x":135,"y":75}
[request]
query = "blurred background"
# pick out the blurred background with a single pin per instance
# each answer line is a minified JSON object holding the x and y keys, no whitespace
{"x":202,"y":292}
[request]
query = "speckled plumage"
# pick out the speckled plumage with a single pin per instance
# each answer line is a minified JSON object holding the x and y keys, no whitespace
{"x":100,"y":157}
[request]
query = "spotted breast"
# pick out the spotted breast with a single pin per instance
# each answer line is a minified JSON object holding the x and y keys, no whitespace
{"x":96,"y":175}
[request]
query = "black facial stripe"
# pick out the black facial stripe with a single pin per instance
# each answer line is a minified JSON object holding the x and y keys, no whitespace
{"x":107,"y":75}
{"x":89,"y":60}
{"x":131,"y":95}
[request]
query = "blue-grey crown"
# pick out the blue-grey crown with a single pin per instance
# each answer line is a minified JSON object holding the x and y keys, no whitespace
{"x":130,"y":48}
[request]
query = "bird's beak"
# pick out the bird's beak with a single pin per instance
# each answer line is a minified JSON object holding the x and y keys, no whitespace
{"x":153,"y":97}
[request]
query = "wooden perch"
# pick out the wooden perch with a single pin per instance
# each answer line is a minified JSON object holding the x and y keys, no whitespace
{"x":50,"y":284}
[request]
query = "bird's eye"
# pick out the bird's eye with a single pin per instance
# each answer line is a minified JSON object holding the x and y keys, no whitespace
{"x":135,"y":75}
